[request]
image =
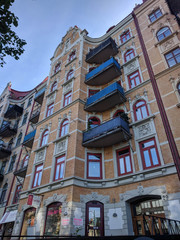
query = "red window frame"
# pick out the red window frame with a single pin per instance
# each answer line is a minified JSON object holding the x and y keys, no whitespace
{"x":54,"y":86}
{"x":94,"y":161}
{"x":67,"y":98}
{"x":130,"y":54}
{"x":125,"y":36}
{"x":148,"y":150}
{"x":93,"y":122}
{"x":72,"y":56}
{"x":141,"y":108}
{"x":91,"y":92}
{"x":64,"y":128}
{"x":16,"y":195}
{"x":135,"y":78}
{"x":38,"y":173}
{"x":25,"y":161}
{"x":50,"y":109}
{"x":58,"y":167}
{"x":173,"y":56}
{"x":57,"y":68}
{"x":155,"y":15}
{"x":44,"y":138}
{"x":125,"y":152}
{"x":70,"y":75}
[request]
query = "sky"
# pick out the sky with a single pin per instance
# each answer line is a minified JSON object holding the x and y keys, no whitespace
{"x":43,"y":23}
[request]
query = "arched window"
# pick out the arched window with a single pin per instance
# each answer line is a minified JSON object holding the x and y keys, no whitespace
{"x":57,"y":68}
{"x":44,"y":138}
{"x":25,"y":161}
{"x":178,"y":88}
{"x":93,"y":122}
{"x":129,"y":55}
{"x":118,"y":113}
{"x":54,"y":86}
{"x":163,"y":33}
{"x":140,"y":110}
{"x":3,"y":193}
{"x":19,"y":139}
{"x":53,"y":219}
{"x":72,"y":56}
{"x":70,"y":74}
{"x":64,"y":128}
{"x":28,"y":221}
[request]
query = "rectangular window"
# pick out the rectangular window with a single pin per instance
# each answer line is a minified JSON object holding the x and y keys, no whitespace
{"x":67,"y":99}
{"x":29,"y":101}
{"x":155,"y":15}
{"x":124,"y":161}
{"x":125,"y":36}
{"x":173,"y":57}
{"x":50,"y":109}
{"x":92,"y":92}
{"x":25,"y":118}
{"x":59,"y":168}
{"x":94,"y":166}
{"x":134,"y":79}
{"x":16,"y":195}
{"x":149,"y":153}
{"x":37,"y":176}
{"x":11,"y":165}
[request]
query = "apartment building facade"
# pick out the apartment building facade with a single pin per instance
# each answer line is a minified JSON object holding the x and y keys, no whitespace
{"x":105,"y":155}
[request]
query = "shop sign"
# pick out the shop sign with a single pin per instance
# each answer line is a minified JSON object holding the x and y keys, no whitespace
{"x":34,"y":200}
{"x":65,"y":221}
{"x":77,"y":221}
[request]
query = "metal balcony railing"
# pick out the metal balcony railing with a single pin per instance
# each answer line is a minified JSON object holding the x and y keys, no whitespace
{"x":8,"y":129}
{"x":21,"y":169}
{"x":102,"y":52}
{"x":29,"y":139}
{"x":103,"y":74}
{"x":13,"y":111}
{"x":107,"y":134}
{"x":39,"y":95}
{"x":105,"y":99}
{"x":35,"y":116}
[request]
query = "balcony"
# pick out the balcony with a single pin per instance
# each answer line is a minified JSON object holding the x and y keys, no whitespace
{"x":29,"y":139}
{"x":7,"y":129}
{"x":35,"y":116}
{"x":102,"y":52}
{"x":13,"y":111}
{"x":107,"y":134}
{"x":40,"y":95}
{"x":105,"y":99}
{"x":1,"y":176}
{"x":103,"y":74}
{"x":5,"y":150}
{"x":22,"y":169}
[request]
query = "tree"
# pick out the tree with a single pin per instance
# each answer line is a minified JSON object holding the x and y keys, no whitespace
{"x":10,"y":43}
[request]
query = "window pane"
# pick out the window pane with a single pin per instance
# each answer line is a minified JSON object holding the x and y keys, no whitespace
{"x":128,"y":164}
{"x":147,"y":159}
{"x":138,"y":114}
{"x":148,"y":144}
{"x":94,"y":157}
{"x":121,"y":164}
{"x":39,"y":178}
{"x":154,"y":156}
{"x":94,"y":169}
{"x":144,"y":112}
{"x":35,"y":180}
{"x":62,"y":170}
{"x":171,"y":62}
{"x":57,"y":172}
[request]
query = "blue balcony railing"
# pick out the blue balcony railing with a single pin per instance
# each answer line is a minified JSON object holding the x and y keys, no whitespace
{"x":108,"y":133}
{"x":106,"y":98}
{"x":39,"y":95}
{"x":102,"y":52}
{"x":29,"y":137}
{"x":104,"y":73}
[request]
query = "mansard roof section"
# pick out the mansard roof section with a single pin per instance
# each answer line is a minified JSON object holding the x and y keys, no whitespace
{"x":71,"y":35}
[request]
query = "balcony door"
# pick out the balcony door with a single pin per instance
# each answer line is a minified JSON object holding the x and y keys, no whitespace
{"x":94,"y":219}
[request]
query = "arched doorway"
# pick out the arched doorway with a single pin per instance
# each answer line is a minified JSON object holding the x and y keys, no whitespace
{"x":94,"y":219}
{"x":28,"y":227}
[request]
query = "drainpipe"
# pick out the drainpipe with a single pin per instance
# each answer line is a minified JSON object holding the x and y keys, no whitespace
{"x":162,"y":111}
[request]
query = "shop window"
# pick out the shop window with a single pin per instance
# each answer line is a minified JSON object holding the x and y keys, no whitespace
{"x":72,"y":56}
{"x":173,"y":57}
{"x":94,"y":166}
{"x":163,"y":33}
{"x":134,"y":79}
{"x":25,"y":118}
{"x":53,"y":219}
{"x":54,"y":86}
{"x":92,"y":92}
{"x":57,"y":68}
{"x":59,"y":168}
{"x":50,"y":109}
{"x":67,"y":98}
{"x":70,"y":75}
{"x":149,"y":153}
{"x":125,"y":36}
{"x":3,"y":193}
{"x":64,"y":128}
{"x":155,"y":15}
{"x":29,"y":101}
{"x":124,"y":161}
{"x":11,"y":165}
{"x":129,"y":55}
{"x":17,"y":194}
{"x":140,"y":110}
{"x":44,"y":138}
{"x":25,"y":161}
{"x":19,"y":139}
{"x":37,"y":176}
{"x":28,"y":227}
{"x":93,"y":122}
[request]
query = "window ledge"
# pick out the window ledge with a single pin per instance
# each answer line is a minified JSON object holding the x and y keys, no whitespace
{"x":131,"y":60}
{"x":122,"y":44}
{"x":55,"y":73}
{"x":65,"y":83}
{"x":70,"y":61}
{"x":40,"y":148}
{"x":142,"y":120}
{"x":49,"y":94}
{"x":157,"y":19}
{"x":61,"y":138}
{"x":166,"y":38}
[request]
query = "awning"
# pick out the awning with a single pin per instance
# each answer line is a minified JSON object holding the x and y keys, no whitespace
{"x":8,"y":217}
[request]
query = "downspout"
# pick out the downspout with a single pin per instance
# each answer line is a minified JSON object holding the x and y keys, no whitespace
{"x":162,"y":111}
